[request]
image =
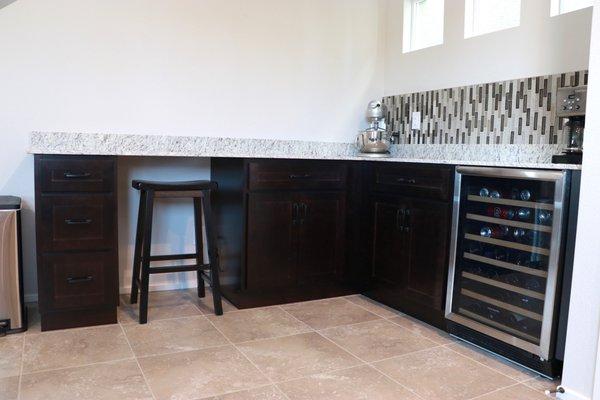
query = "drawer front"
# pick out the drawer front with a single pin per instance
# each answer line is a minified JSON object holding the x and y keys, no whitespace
{"x":286,"y":174}
{"x":77,"y":175}
{"x":77,"y":222}
{"x":434,"y":182}
{"x":79,"y":280}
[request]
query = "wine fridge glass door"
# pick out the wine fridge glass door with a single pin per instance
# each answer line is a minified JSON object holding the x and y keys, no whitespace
{"x":506,"y":249}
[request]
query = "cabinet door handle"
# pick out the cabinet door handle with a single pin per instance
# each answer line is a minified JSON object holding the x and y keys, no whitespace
{"x":294,"y":213}
{"x":410,"y":181}
{"x":81,"y":279}
{"x":70,"y":221}
{"x":300,"y":176}
{"x":400,"y":219}
{"x":73,"y":175}
{"x":407,"y":220}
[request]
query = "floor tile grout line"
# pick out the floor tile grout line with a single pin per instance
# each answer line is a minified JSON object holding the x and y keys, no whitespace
{"x":239,"y":391}
{"x":480,"y":363}
{"x":379,"y":318}
{"x":241,"y":352}
{"x":370,"y":365}
{"x":419,"y":333}
{"x":494,"y":391}
{"x":21,"y":369}
{"x":138,"y":363}
{"x":77,"y":366}
{"x":135,"y":323}
{"x":360,"y":359}
{"x":400,"y":314}
{"x":182,"y":351}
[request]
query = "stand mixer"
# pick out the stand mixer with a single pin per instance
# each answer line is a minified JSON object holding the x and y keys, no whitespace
{"x":375,"y":140}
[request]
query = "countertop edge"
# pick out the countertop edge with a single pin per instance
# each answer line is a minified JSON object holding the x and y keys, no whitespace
{"x":65,"y":143}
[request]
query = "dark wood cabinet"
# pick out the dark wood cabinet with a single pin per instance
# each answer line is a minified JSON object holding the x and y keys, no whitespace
{"x":290,"y":242}
{"x":321,"y":233}
{"x":76,"y":235}
{"x":294,"y":238}
{"x":271,"y":242}
{"x":287,"y":230}
{"x":389,"y":241}
{"x":409,"y":246}
{"x":427,"y":246}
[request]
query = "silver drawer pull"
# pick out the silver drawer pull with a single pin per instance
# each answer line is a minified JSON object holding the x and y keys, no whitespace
{"x":82,"y":279}
{"x":406,"y":180}
{"x":73,"y":175}
{"x":300,"y":176}
{"x":70,"y":221}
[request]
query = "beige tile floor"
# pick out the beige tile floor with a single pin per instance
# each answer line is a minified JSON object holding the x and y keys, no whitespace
{"x":341,"y":348}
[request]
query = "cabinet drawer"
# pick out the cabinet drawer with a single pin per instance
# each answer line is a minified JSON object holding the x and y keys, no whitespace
{"x":74,"y":174}
{"x":434,"y":182}
{"x":296,"y":175}
{"x":77,"y":222}
{"x":79,"y":280}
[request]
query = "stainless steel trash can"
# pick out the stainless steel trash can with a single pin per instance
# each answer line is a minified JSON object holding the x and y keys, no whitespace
{"x":13,"y":316}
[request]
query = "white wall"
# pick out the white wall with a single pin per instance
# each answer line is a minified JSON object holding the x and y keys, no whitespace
{"x":540,"y":45}
{"x":261,"y":68}
{"x":584,"y":312}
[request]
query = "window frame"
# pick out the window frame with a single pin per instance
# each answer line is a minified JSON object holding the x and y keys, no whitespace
{"x":408,"y":24}
{"x":556,"y":5}
{"x":470,"y":18}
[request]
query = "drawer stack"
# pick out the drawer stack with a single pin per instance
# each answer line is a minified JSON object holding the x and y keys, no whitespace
{"x":76,"y":233}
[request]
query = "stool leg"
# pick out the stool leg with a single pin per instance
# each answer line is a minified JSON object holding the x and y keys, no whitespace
{"x":148,"y":209}
{"x":137,"y":253}
{"x":213,"y":255}
{"x":199,"y":244}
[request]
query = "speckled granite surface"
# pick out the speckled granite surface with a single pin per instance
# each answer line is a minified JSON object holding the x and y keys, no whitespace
{"x":525,"y":156}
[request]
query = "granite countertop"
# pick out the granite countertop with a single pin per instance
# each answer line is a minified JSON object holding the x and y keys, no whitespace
{"x":522,"y":156}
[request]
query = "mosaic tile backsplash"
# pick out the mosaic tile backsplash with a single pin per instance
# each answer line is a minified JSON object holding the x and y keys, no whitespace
{"x":520,"y":111}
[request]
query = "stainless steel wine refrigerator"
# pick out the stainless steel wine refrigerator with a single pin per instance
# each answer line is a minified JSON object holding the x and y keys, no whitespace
{"x":506,"y":266}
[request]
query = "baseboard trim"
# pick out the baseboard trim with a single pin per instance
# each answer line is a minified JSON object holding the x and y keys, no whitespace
{"x":159,"y":287}
{"x":33,"y":297}
{"x":30,"y":298}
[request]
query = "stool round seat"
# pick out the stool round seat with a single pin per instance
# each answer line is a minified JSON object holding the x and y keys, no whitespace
{"x":166,"y":186}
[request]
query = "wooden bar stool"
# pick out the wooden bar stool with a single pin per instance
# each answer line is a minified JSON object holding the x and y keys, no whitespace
{"x":200,"y":192}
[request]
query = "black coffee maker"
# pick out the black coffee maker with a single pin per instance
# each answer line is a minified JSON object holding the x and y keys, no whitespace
{"x":570,"y":106}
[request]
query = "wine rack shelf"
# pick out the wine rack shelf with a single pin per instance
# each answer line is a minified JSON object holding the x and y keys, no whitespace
{"x":508,"y":222}
{"x":501,"y":304}
{"x":511,"y":202}
{"x":506,"y":243}
{"x":502,"y":285}
{"x":498,"y":325}
{"x":506,"y":265}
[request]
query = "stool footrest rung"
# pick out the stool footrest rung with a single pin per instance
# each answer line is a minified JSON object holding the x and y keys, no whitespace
{"x":178,"y":268}
{"x":169,"y":257}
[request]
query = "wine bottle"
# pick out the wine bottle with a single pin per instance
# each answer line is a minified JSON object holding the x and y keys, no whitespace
{"x":534,"y":284}
{"x":500,"y":212}
{"x":525,"y":195}
{"x":544,"y":217}
{"x":494,"y":232}
{"x":524,"y":213}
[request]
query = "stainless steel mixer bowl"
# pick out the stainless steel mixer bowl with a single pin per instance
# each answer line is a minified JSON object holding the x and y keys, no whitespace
{"x":373,"y":141}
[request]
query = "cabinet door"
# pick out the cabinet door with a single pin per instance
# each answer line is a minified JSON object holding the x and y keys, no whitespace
{"x":321,"y":232}
{"x":271,"y":244}
{"x":389,"y":254}
{"x":427,"y":244}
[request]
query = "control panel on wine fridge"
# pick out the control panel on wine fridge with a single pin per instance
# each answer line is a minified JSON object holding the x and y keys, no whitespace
{"x":506,"y":251}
